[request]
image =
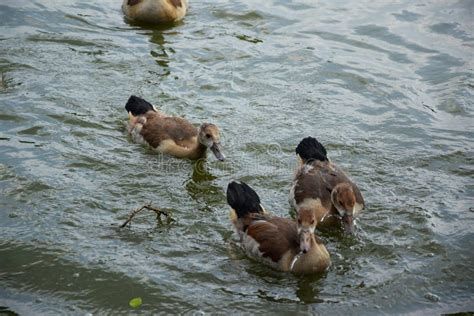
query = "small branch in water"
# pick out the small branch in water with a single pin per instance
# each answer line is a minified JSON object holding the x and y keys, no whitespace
{"x":428,"y":107}
{"x":3,"y":81}
{"x":150,"y":207}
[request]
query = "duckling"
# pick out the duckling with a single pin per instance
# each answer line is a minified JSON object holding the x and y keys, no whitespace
{"x":320,"y":185}
{"x":278,"y":242}
{"x":171,"y":135}
{"x":155,"y":11}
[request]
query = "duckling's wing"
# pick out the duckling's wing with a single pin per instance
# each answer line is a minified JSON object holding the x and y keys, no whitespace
{"x":159,"y":128}
{"x":180,"y":130}
{"x":312,"y":183}
{"x":274,"y":237}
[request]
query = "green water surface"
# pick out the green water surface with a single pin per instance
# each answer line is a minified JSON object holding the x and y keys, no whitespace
{"x":387,"y":86}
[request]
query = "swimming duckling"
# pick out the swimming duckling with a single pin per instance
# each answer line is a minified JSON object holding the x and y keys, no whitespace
{"x":171,"y":135}
{"x":278,"y":242}
{"x":155,"y":11}
{"x":320,"y":185}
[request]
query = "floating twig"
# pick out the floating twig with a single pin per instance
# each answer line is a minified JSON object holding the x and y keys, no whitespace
{"x":428,"y":107}
{"x":157,"y":211}
{"x":3,"y":81}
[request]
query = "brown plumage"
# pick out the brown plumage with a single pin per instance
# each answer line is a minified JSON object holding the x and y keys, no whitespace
{"x":176,"y":3}
{"x":277,"y":242}
{"x":275,"y":235}
{"x":155,"y":11}
{"x":171,"y":135}
{"x":323,"y":187}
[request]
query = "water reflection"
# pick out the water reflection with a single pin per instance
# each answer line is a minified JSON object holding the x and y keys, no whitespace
{"x":160,"y":51}
{"x":307,"y":288}
{"x":202,"y":187}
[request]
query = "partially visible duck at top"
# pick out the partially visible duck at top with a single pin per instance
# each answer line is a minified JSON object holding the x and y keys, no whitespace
{"x":154,"y":11}
{"x":281,"y":243}
{"x":321,"y":186}
{"x":171,"y":135}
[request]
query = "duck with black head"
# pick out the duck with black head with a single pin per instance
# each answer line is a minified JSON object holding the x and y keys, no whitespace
{"x":279,"y":242}
{"x":154,"y":11}
{"x":323,"y":187}
{"x":171,"y":135}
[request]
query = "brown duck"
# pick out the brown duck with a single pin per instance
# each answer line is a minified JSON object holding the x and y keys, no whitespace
{"x":319,"y":185}
{"x":171,"y":135}
{"x":154,"y":11}
{"x":279,"y":242}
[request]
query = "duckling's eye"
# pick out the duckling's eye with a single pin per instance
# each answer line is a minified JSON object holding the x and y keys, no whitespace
{"x":208,"y":135}
{"x":312,"y":221}
{"x":299,"y":220}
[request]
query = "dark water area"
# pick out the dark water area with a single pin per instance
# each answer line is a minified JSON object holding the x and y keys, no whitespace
{"x":387,"y":85}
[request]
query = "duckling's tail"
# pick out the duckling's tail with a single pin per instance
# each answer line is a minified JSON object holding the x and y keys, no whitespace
{"x":309,"y":149}
{"x":243,"y":199}
{"x":138,"y":106}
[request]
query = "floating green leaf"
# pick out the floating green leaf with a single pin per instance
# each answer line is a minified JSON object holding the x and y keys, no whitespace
{"x":135,"y":302}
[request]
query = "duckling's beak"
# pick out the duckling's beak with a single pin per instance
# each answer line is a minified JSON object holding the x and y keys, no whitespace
{"x":216,"y":149}
{"x":305,"y":241}
{"x":348,"y":222}
{"x":304,"y":247}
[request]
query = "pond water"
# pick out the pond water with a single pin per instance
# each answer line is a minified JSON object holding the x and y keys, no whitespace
{"x":386,"y":85}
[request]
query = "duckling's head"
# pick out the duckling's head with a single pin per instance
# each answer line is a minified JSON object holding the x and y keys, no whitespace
{"x":209,"y":136}
{"x":306,"y":220}
{"x":343,"y":198}
{"x":306,"y":224}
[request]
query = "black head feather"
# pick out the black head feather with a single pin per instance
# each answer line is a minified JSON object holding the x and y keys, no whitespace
{"x":309,"y":149}
{"x":243,"y":199}
{"x":138,"y":106}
